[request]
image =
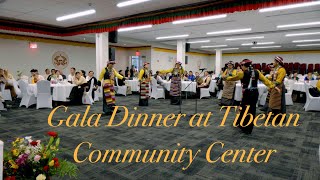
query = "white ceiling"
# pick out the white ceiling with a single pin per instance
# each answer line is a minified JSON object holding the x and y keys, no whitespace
{"x":46,"y":11}
{"x":262,"y":24}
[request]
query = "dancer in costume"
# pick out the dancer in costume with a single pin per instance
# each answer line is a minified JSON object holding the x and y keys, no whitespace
{"x":175,"y":87}
{"x":144,"y":79}
{"x":271,"y":78}
{"x":249,"y":78}
{"x":108,"y":74}
{"x":277,"y":101}
{"x":229,"y":86}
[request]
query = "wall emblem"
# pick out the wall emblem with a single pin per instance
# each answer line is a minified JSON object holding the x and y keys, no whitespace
{"x":60,"y":60}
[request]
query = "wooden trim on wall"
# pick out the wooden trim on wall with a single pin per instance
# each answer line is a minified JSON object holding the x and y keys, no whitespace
{"x":174,"y":51}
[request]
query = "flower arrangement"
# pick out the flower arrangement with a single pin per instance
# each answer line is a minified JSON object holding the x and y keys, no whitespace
{"x":31,"y":159}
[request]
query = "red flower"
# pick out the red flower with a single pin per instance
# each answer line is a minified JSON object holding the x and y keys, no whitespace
{"x":56,"y":164}
{"x":34,"y":143}
{"x":10,"y":178}
{"x":46,"y":168}
{"x":55,"y":159}
{"x":53,"y":134}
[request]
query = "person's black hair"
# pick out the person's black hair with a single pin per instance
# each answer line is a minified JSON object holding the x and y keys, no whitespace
{"x":90,"y":71}
{"x":77,"y":73}
{"x":73,"y":68}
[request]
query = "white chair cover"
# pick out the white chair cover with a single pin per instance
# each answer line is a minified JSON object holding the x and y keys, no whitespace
{"x":44,"y":97}
{"x":6,"y":95}
{"x":205,"y":92}
{"x":312,"y":103}
{"x":121,"y":89}
{"x":1,"y":103}
{"x":27,"y":99}
{"x":156,"y":92}
{"x":87,"y":97}
{"x":263,"y":99}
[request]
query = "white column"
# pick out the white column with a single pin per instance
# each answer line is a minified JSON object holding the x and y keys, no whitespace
{"x":1,"y":160}
{"x":102,"y":51}
{"x":218,"y":61}
{"x":181,"y":52}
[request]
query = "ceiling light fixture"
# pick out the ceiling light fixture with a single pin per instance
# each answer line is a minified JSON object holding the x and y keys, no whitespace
{"x":307,"y":40}
{"x":174,"y":36}
{"x":131,"y":2}
{"x":214,"y":46}
{"x":259,"y":43}
{"x":265,"y":47}
{"x":299,"y":24}
{"x":229,"y":31}
{"x":291,"y":6}
{"x":199,"y":19}
{"x":308,"y":45}
{"x":227,"y":49}
{"x":195,"y":42}
{"x":75,"y":15}
{"x":134,"y":28}
{"x":303,"y":34}
{"x":245,"y":38}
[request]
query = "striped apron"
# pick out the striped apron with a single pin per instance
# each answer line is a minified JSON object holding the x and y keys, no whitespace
{"x":175,"y":87}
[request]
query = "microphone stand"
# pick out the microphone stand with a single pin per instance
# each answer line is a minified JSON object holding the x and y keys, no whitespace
{"x":196,"y":106}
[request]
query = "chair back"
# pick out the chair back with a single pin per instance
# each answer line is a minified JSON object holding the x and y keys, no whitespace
{"x":23,"y":86}
{"x":2,"y":86}
{"x":43,"y":87}
{"x":290,"y":84}
{"x":306,"y":86}
{"x":117,"y":82}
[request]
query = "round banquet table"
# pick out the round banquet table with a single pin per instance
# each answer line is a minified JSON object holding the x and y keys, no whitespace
{"x":60,"y":91}
{"x":238,"y":92}
{"x":134,"y":84}
{"x":184,"y":86}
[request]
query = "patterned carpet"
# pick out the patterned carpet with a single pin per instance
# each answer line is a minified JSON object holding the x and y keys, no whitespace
{"x":297,"y":157}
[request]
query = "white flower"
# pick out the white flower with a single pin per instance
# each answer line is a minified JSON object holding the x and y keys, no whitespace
{"x":27,"y":151}
{"x":41,"y":177}
{"x":28,"y":137}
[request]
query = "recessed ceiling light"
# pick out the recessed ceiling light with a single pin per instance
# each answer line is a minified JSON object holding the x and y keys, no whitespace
{"x":195,"y":42}
{"x":245,"y":38}
{"x":299,"y":24}
{"x":227,"y":49}
{"x":174,"y":36}
{"x":134,"y":28}
{"x":308,"y":44}
{"x":131,"y":2}
{"x":265,"y":47}
{"x":259,"y":43}
{"x":229,"y":31}
{"x":214,"y":46}
{"x":75,"y":15}
{"x":199,"y":19}
{"x":291,"y":6}
{"x":303,"y":34}
{"x":307,"y":40}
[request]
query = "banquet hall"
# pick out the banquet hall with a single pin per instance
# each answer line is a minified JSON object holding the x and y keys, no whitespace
{"x":129,"y":74}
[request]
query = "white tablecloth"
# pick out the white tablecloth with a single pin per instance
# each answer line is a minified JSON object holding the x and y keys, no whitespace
{"x":134,"y":84}
{"x":191,"y":88}
{"x":60,"y":91}
{"x":238,"y":93}
{"x":298,"y":86}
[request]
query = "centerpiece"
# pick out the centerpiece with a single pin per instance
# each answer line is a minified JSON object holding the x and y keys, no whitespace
{"x":32,"y":159}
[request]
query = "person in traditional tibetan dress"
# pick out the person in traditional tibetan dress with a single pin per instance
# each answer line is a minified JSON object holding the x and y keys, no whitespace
{"x":249,"y":79}
{"x":175,"y":87}
{"x":229,"y":86}
{"x":271,"y":78}
{"x":277,"y":101}
{"x":144,"y":79}
{"x":108,"y":75}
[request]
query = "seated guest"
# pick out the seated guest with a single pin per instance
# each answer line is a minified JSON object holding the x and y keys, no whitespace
{"x":7,"y":79}
{"x":77,"y":91}
{"x":58,"y":76}
{"x":52,"y":75}
{"x":35,"y":77}
{"x":158,"y":78}
{"x":294,"y":76}
{"x":63,"y":76}
{"x":198,"y":79}
{"x":309,"y":77}
{"x":83,"y":73}
{"x":205,"y":84}
{"x":121,"y":81}
{"x":90,"y":78}
{"x":71,"y":75}
{"x":47,"y":73}
{"x":132,"y":71}
{"x":191,"y":77}
{"x":126,"y":72}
